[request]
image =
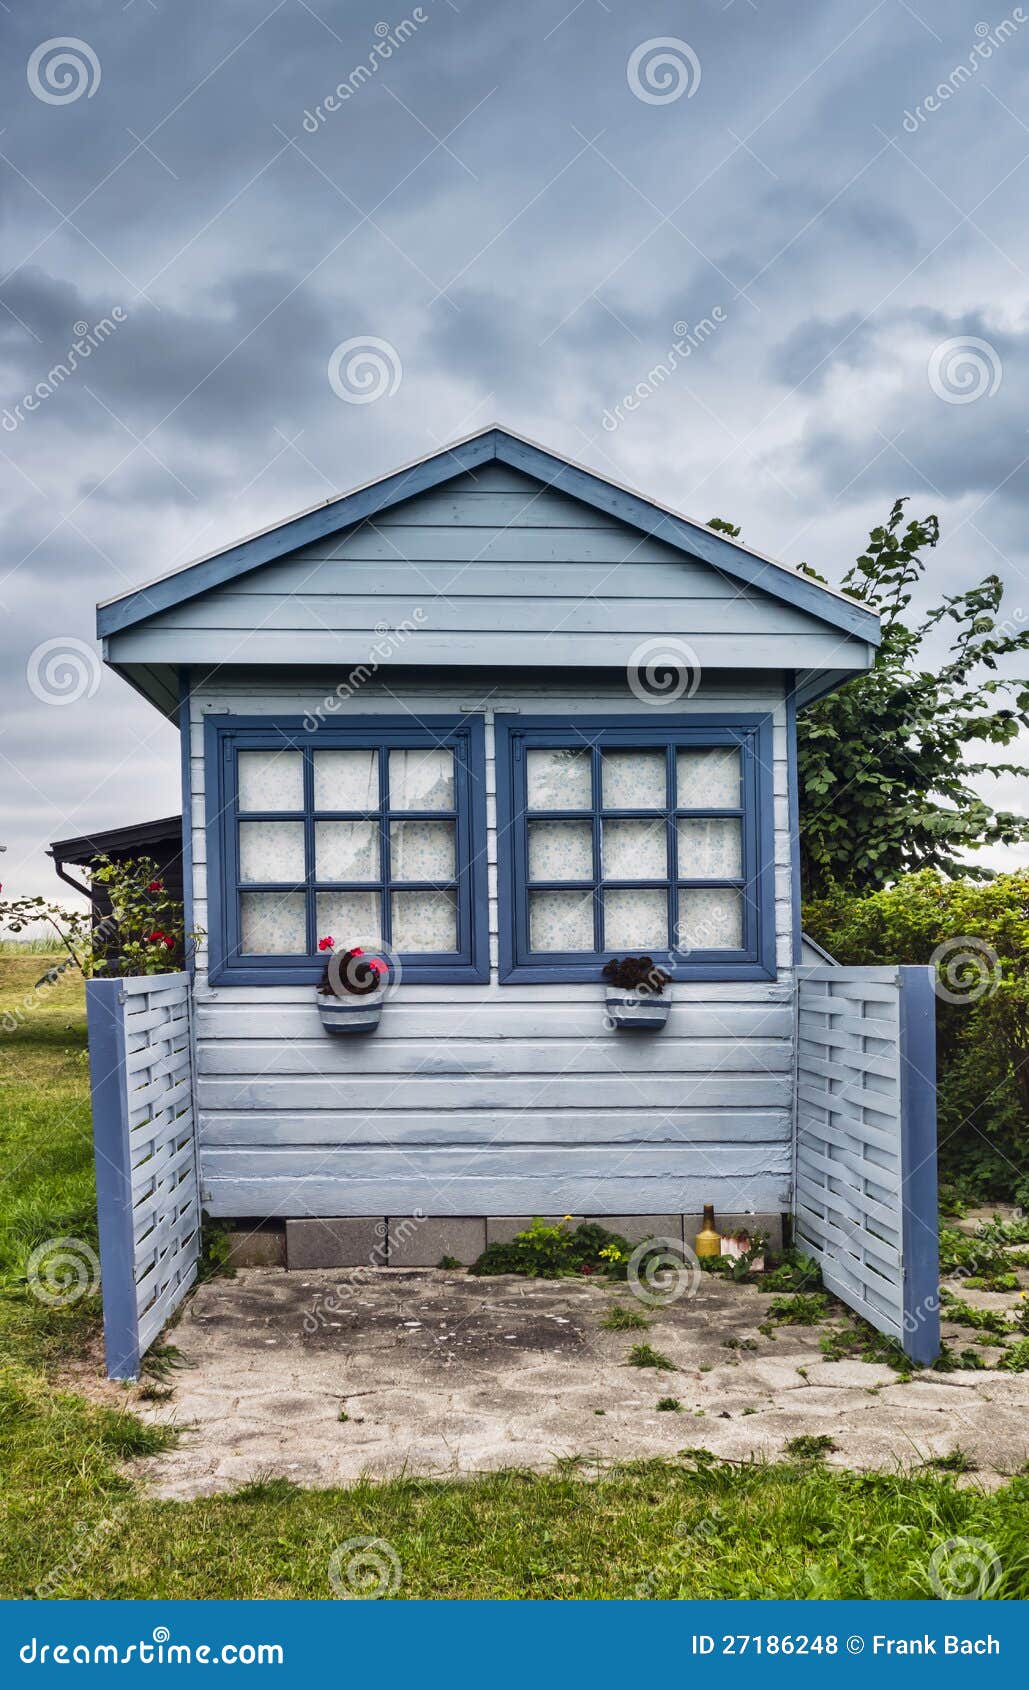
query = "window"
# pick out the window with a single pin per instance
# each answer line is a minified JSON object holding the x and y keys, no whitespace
{"x":373,"y":833}
{"x":620,"y":837}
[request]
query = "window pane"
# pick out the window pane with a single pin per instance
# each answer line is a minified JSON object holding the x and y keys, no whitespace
{"x":560,"y":921}
{"x":709,"y":778}
{"x":422,"y":850}
{"x":424,"y":921}
{"x":346,"y":780}
{"x":271,"y":851}
{"x":634,"y":780}
{"x":346,"y":850}
{"x":421,"y":780}
{"x":271,"y":780}
{"x":351,"y":918}
{"x":710,"y":919}
{"x":635,"y":920}
{"x":635,"y":850}
{"x":560,"y":851}
{"x":559,"y":780}
{"x":709,"y":848}
{"x":273,"y":924}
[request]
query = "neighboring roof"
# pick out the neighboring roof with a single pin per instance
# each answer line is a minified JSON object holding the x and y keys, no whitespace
{"x":741,"y":563}
{"x":116,"y":840}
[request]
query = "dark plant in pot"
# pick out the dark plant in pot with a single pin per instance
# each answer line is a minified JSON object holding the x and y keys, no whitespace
{"x":352,"y":989}
{"x":637,"y":993}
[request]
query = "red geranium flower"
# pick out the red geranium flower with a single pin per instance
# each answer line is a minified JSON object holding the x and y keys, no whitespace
{"x":156,"y":886}
{"x":377,"y":965}
{"x":327,"y":943}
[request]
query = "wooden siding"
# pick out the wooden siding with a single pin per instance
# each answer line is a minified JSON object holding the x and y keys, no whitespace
{"x":493,"y":569}
{"x":490,"y":1099}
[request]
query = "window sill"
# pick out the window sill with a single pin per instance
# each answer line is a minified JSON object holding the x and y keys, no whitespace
{"x":304,"y":974}
{"x":589,"y":973}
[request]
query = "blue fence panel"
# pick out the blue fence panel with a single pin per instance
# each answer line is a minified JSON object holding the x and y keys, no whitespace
{"x":865,"y":1200}
{"x":145,"y":1151}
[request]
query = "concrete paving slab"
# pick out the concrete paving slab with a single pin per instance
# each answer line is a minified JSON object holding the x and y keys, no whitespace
{"x":442,"y":1373}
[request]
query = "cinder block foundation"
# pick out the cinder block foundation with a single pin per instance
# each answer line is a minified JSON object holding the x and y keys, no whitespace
{"x":350,"y":1241}
{"x":415,"y":1242}
{"x":259,"y":1246}
{"x":422,"y":1241}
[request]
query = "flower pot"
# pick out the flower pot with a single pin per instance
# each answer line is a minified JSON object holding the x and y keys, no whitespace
{"x":351,"y":1014}
{"x":642,"y":1011}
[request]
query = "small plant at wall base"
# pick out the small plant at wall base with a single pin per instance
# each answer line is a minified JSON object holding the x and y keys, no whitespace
{"x":548,"y":1251}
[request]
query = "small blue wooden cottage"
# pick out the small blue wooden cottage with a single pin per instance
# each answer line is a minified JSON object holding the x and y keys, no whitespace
{"x":506,"y":720}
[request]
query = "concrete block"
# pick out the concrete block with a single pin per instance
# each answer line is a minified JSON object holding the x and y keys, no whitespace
{"x":257,"y":1248}
{"x":771,"y":1225}
{"x":349,"y":1241}
{"x":500,"y":1229}
{"x":423,"y":1243}
{"x":635,"y":1228}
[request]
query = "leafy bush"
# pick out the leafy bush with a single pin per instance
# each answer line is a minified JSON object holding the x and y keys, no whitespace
{"x":978,"y":934}
{"x":144,"y":933}
{"x":550,"y":1252}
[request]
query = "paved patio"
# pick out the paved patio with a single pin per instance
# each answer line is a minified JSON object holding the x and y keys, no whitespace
{"x":439,"y":1374}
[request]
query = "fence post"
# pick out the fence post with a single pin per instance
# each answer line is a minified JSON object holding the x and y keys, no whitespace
{"x":919,"y":1197}
{"x":105,"y":1006}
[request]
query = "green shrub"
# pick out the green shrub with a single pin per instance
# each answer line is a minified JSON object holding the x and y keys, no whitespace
{"x":543,"y":1251}
{"x":983,"y":1037}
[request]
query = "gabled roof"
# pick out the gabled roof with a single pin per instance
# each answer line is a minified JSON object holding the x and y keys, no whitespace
{"x":740,"y":563}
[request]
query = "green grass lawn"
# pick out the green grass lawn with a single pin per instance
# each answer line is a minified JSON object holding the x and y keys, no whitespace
{"x":74,"y":1523}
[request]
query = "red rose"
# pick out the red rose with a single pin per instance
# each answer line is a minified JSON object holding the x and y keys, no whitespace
{"x":157,"y":937}
{"x":169,"y":941}
{"x":156,"y":886}
{"x":327,"y":943}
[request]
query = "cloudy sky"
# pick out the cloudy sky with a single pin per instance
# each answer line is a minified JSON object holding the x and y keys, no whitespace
{"x":526,"y":203}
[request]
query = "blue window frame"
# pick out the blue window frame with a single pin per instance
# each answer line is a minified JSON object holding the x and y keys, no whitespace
{"x":373,"y":831}
{"x":620,"y":836}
